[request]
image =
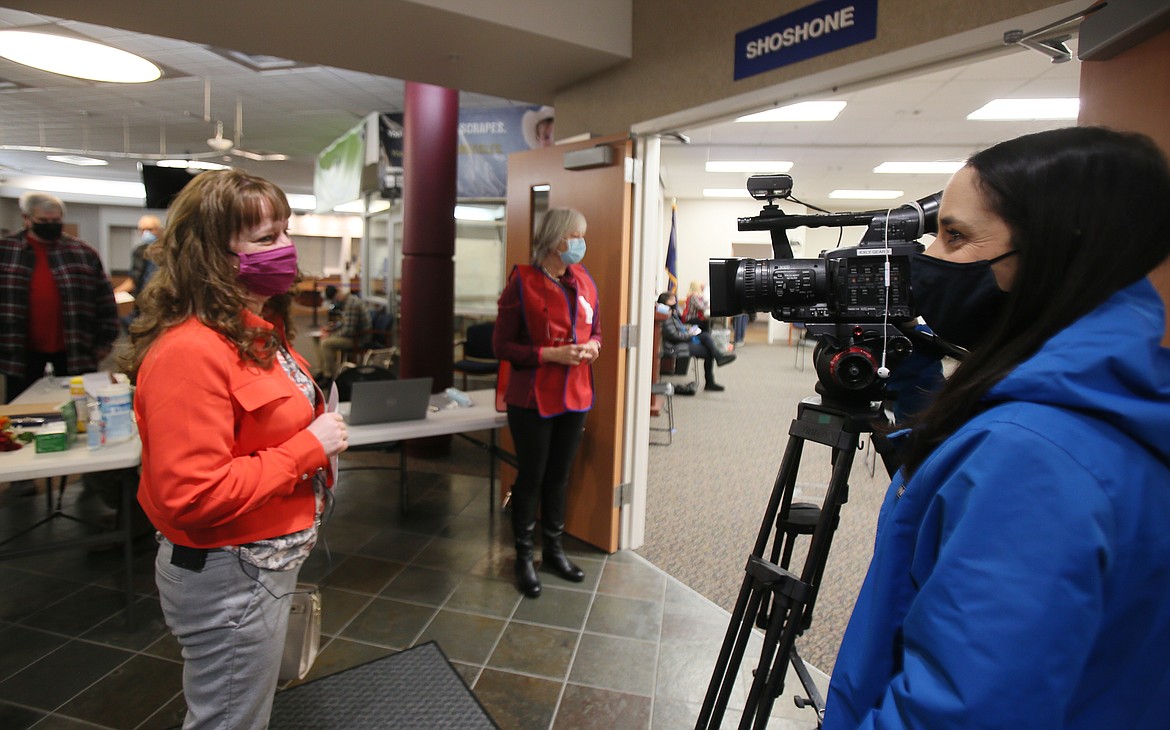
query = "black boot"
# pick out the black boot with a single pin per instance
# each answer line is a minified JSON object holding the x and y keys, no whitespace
{"x":552,"y":521}
{"x":523,"y":531}
{"x":555,"y":559}
{"x":554,"y":555}
{"x":526,"y":578}
{"x":724,"y":358}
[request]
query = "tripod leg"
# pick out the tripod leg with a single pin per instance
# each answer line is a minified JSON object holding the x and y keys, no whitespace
{"x":791,"y":597}
{"x":818,"y":553}
{"x":748,"y":603}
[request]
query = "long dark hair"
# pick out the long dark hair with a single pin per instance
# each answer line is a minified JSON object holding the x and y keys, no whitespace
{"x":1089,"y":213}
{"x":197,"y":274}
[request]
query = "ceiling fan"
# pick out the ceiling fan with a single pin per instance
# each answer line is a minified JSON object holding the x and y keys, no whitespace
{"x":223,"y":145}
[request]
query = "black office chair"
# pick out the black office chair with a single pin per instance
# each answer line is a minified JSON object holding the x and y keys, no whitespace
{"x":479,"y":358}
{"x":344,"y":381}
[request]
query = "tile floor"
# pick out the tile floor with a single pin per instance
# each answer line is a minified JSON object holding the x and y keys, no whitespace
{"x":628,"y":648}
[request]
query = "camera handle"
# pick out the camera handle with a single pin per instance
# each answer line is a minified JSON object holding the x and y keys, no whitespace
{"x":771,"y":596}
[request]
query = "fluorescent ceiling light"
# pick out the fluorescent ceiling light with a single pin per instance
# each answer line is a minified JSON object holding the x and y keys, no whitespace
{"x":297,"y":201}
{"x":748,"y":165}
{"x":191,"y":165}
{"x":78,"y":160}
{"x":804,"y":111}
{"x":356,"y":206}
{"x":725,"y":193}
{"x":479,"y":213}
{"x":541,"y":188}
{"x":75,"y":57}
{"x":1027,"y":109}
{"x":86,"y":186}
{"x":866,"y":194}
{"x":940,"y":167}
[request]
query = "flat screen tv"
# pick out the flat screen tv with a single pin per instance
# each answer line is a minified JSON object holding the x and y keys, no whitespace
{"x":162,"y":184}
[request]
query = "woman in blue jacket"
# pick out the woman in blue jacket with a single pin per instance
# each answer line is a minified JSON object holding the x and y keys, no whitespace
{"x":1021,"y":571}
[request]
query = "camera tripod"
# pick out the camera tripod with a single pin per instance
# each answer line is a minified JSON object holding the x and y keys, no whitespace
{"x":771,"y":596}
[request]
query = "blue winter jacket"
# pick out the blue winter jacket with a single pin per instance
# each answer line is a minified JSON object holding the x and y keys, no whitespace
{"x":1021,"y":578}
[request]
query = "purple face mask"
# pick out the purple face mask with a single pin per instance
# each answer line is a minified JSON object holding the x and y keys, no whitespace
{"x":269,"y":272}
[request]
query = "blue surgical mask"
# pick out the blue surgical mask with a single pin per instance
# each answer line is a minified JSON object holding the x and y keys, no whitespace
{"x":148,"y":237}
{"x":575,"y":252}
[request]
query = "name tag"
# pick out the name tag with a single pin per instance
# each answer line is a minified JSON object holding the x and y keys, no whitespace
{"x":588,"y":310}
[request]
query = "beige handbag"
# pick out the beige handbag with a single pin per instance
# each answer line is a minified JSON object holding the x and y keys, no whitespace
{"x":304,"y":632}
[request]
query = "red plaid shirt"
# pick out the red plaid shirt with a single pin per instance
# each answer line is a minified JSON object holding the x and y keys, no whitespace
{"x":87,"y":301}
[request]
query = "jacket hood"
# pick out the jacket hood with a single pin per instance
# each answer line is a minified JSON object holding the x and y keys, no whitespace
{"x":1109,"y":364}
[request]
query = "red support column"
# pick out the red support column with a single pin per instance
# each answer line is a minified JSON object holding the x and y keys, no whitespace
{"x":431,"y":117}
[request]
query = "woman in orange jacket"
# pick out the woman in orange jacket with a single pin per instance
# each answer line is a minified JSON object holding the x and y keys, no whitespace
{"x":235,"y":441}
{"x":548,"y":332}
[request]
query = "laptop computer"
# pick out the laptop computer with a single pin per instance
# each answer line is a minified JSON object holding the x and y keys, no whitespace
{"x":389,"y":401}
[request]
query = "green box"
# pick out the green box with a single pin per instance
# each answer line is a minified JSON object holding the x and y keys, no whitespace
{"x":53,"y":437}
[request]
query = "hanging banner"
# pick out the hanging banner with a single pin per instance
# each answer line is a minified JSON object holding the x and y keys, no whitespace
{"x":814,"y":30}
{"x":487,"y":137}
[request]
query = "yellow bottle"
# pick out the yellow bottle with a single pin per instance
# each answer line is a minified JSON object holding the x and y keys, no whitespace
{"x":77,"y":393}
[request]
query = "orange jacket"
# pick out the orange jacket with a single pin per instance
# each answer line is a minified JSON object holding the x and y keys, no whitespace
{"x":226,"y":457}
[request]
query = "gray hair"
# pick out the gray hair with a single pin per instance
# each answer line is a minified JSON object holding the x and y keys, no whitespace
{"x":556,"y":224}
{"x":33,"y":200}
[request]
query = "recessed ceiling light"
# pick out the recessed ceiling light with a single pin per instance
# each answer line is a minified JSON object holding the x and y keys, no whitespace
{"x":748,"y":165}
{"x":1027,"y":109}
{"x":76,"y":57}
{"x":725,"y":193}
{"x":804,"y":111}
{"x":942,"y":167}
{"x":866,"y":194}
{"x":77,"y":160}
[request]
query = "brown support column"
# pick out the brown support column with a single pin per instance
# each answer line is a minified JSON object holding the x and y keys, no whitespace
{"x":1131,"y":91}
{"x":428,"y":242}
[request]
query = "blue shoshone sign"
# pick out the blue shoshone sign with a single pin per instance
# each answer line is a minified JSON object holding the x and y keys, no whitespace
{"x":819,"y":28}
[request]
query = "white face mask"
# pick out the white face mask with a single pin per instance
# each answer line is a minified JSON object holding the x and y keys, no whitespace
{"x":148,"y":237}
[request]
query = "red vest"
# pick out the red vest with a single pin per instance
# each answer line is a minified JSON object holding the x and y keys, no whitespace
{"x":553,"y":317}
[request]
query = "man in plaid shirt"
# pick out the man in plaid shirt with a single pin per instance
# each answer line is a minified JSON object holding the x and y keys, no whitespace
{"x":56,"y":302}
{"x":350,"y":329}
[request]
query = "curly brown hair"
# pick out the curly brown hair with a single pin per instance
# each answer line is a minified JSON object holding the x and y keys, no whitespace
{"x":197,"y":271}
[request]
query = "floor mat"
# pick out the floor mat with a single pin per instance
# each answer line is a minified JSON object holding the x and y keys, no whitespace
{"x":416,"y":688}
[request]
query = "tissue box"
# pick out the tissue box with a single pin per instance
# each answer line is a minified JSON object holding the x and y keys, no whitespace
{"x":52,"y":437}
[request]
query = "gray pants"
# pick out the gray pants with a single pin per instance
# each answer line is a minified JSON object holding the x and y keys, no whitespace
{"x":334,"y":348}
{"x":232,"y":632}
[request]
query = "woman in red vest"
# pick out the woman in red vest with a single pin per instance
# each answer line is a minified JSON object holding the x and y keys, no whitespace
{"x":547,"y":333}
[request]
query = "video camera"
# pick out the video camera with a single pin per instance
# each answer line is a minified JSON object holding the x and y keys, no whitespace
{"x":856,"y":301}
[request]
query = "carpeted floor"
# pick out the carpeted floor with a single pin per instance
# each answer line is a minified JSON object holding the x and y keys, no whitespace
{"x":416,"y":688}
{"x":708,"y":491}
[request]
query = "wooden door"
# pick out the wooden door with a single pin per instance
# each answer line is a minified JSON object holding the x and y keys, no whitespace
{"x":605,"y":197}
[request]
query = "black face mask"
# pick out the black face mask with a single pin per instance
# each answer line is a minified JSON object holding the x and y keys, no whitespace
{"x":48,"y":231}
{"x":960,"y":302}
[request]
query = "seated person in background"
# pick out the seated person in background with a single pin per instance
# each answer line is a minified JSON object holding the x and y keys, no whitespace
{"x":682,"y":340}
{"x":345,"y":331}
{"x":694,"y":309}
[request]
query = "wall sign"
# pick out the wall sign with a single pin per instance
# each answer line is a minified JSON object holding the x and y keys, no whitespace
{"x":816,"y":29}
